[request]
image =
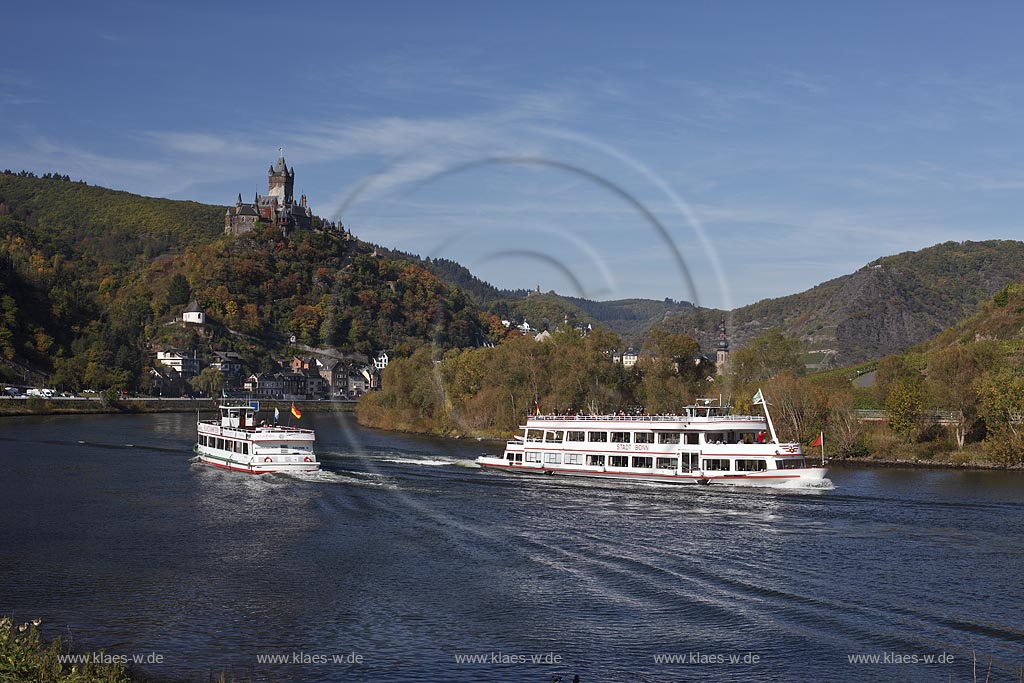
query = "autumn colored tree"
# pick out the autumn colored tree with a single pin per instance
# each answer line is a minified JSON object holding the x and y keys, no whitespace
{"x":952,"y":373}
{"x":209,"y":382}
{"x":1001,"y":403}
{"x":903,"y":406}
{"x":765,"y":357}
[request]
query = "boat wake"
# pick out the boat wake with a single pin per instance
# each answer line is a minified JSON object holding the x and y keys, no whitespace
{"x":323,"y":476}
{"x":433,"y":462}
{"x":802,"y":485}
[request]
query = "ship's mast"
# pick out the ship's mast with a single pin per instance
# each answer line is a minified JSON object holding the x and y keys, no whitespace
{"x":759,"y":400}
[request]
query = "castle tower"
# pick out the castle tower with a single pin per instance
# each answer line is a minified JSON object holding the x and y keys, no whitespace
{"x":722,"y":355}
{"x":281,"y":181}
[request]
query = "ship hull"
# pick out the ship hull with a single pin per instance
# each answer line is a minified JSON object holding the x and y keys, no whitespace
{"x":266,"y":465}
{"x":776,"y":478}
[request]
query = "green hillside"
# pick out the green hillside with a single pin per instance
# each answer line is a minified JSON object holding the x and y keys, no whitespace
{"x":92,"y":281}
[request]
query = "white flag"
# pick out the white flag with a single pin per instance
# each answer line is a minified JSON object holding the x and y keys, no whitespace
{"x":277,"y":415}
{"x":758,"y":398}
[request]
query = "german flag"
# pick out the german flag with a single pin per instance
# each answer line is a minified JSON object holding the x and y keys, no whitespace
{"x":296,"y":412}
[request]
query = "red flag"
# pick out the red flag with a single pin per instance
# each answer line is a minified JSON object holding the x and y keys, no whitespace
{"x":296,"y":412}
{"x":818,"y":441}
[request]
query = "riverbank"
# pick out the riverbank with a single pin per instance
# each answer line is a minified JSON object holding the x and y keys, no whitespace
{"x":25,"y":657}
{"x":13,"y":407}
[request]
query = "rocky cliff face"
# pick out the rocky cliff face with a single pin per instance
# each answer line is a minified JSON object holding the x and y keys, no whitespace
{"x":883,"y":308}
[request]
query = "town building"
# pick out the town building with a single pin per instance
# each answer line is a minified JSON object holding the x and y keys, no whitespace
{"x":265,"y":385}
{"x":185,"y":362}
{"x":194,"y":314}
{"x":229,"y":363}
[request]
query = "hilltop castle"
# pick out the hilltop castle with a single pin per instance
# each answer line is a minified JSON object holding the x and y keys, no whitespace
{"x":278,"y":206}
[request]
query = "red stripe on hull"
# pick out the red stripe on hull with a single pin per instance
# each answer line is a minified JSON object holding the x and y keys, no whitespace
{"x":235,"y":469}
{"x":542,"y":470}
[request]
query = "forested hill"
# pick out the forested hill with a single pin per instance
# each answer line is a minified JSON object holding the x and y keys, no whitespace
{"x":109,"y":226}
{"x":883,"y":308}
{"x":91,"y":280}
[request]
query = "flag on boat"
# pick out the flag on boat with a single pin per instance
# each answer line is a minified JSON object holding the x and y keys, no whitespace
{"x":758,"y":398}
{"x":296,"y":412}
{"x":820,"y":440}
{"x":536,"y":408}
{"x":277,"y":415}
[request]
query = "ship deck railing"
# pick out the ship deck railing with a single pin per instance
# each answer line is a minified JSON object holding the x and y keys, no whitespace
{"x":644,"y":418}
{"x":257,"y":429}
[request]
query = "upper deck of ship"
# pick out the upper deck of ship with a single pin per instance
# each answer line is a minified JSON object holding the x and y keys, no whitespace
{"x":239,"y":421}
{"x":690,"y":416}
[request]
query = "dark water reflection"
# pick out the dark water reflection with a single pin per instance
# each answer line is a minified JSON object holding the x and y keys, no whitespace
{"x":403,"y":554}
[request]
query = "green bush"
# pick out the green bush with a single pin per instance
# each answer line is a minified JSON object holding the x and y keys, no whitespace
{"x":24,"y":658}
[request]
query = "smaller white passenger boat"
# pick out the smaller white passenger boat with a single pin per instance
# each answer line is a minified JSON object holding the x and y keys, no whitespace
{"x":704,"y":444}
{"x":235,"y":442}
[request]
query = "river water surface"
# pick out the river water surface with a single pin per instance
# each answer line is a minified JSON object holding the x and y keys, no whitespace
{"x":403,"y":562}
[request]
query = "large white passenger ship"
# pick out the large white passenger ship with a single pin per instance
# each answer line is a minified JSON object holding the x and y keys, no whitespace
{"x":236,"y":442}
{"x":704,"y":444}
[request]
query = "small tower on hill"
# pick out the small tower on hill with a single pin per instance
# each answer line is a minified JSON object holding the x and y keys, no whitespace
{"x":722,"y":354}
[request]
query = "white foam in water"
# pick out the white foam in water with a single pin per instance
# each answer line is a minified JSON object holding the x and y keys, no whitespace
{"x":820,"y":485}
{"x":414,"y":461}
{"x":356,"y":478}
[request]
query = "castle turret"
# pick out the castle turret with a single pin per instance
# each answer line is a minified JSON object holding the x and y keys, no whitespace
{"x":281,"y":181}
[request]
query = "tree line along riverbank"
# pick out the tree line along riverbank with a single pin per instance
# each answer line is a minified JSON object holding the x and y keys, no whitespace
{"x":953,"y":402}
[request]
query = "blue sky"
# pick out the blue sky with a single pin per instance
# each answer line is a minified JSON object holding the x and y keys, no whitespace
{"x":588,"y":148}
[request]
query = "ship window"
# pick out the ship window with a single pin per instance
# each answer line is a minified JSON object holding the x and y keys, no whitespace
{"x":792,"y":464}
{"x":751,"y":465}
{"x":595,"y":460}
{"x":518,"y":457}
{"x":574,"y":436}
{"x":245,"y":448}
{"x":642,"y":461}
{"x":692,"y":438}
{"x":716,"y":465}
{"x":574,"y":458}
{"x":533,"y":435}
{"x":220,"y":443}
{"x":643,"y":437}
{"x":597,"y":436}
{"x":554,"y":458}
{"x":509,"y":457}
{"x":532,"y":456}
{"x":714,"y":437}
{"x":554,"y":437}
{"x":620,"y":437}
{"x":666,"y":463}
{"x":668,"y":437}
{"x":618,"y":461}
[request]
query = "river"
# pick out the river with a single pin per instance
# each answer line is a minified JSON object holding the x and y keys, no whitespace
{"x":404,"y":562}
